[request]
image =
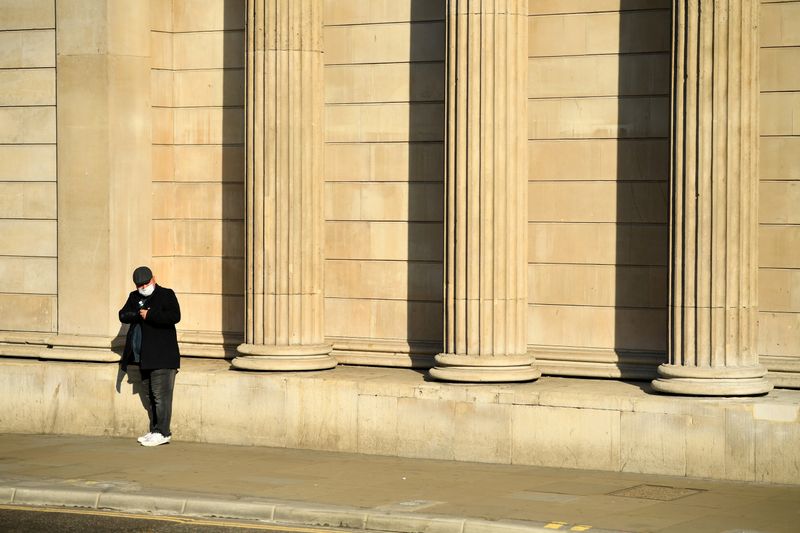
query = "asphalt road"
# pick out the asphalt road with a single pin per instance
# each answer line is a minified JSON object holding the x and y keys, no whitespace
{"x":15,"y":519}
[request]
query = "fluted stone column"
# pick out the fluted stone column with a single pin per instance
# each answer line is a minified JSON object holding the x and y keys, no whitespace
{"x":486,"y":191}
{"x":284,"y":329}
{"x":714,"y":221}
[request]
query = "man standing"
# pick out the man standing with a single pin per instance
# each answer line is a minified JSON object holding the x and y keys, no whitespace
{"x":152,"y":343}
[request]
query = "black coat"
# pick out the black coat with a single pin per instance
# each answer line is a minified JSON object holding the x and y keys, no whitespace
{"x":159,"y":339}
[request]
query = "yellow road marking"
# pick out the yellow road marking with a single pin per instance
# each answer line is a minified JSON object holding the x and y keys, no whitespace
{"x":555,"y":525}
{"x":580,"y":528}
{"x":176,"y":519}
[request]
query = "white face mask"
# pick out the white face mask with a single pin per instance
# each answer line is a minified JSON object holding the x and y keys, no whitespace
{"x":147,"y":291}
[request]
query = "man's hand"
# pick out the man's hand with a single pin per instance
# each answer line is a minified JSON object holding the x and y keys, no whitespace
{"x":143,"y":313}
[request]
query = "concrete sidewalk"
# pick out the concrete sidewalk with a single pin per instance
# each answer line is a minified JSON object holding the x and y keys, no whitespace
{"x":375,"y":493}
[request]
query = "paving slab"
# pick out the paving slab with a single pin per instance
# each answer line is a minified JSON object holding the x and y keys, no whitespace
{"x":376,"y":493}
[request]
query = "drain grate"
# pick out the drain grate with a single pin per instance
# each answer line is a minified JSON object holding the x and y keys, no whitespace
{"x":656,"y":492}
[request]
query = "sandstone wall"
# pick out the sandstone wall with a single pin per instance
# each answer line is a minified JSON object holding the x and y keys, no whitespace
{"x":384,"y":93}
{"x":779,"y":213}
{"x":28,"y":166}
{"x":599,"y":75}
{"x":198,"y":51}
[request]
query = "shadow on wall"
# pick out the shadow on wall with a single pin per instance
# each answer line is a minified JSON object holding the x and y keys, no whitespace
{"x":426,"y":130}
{"x":232,"y":176}
{"x":642,"y":188}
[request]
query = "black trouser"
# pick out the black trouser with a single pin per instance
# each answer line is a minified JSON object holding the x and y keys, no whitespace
{"x":158,"y":385}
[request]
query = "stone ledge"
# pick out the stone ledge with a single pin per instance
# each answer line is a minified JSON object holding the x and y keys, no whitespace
{"x":556,"y":422}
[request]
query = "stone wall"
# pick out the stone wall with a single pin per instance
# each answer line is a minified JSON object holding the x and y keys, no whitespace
{"x":28,"y":166}
{"x":599,"y":75}
{"x":384,"y":92}
{"x":198,"y":51}
{"x":779,"y":210}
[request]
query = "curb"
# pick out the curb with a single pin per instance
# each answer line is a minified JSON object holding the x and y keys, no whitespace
{"x":272,"y":511}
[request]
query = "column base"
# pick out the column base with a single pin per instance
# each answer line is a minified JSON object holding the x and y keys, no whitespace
{"x":484,"y":369}
{"x":90,"y":348}
{"x":709,"y":381}
{"x":284,"y":358}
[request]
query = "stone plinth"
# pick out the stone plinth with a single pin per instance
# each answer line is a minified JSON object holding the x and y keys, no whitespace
{"x":555,"y":422}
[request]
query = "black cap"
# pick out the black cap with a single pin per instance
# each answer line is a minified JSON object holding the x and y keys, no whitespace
{"x":142,"y":275}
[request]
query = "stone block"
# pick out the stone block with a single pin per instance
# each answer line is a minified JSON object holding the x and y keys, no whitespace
{"x":28,"y":49}
{"x":218,"y":87}
{"x":28,"y":200}
{"x":779,"y":290}
{"x":205,"y":238}
{"x":774,"y":118}
{"x":201,"y":275}
{"x":383,"y":319}
{"x":384,"y":122}
{"x":161,"y":88}
{"x":28,"y":275}
{"x":653,"y":443}
{"x":592,"y":118}
{"x":599,"y":33}
{"x":383,"y":241}
{"x":705,"y":445}
{"x":160,"y":16}
{"x":384,"y":43}
{"x":21,"y":125}
{"x":209,"y":50}
{"x":384,"y":162}
{"x":163,"y":125}
{"x":599,"y":159}
{"x":598,"y":201}
{"x":597,"y":285}
{"x":35,"y":238}
{"x":644,"y":245}
{"x":211,"y":312}
{"x":209,"y":125}
{"x":266,"y":420}
{"x":28,"y":312}
{"x":777,"y":454}
{"x":779,"y":334}
{"x":321,"y":415}
{"x":377,"y":424}
{"x":566,"y":437}
{"x":779,"y":202}
{"x":740,"y":444}
{"x":551,"y":7}
{"x":21,"y":87}
{"x":341,"y":12}
{"x":779,"y":246}
{"x":64,"y":390}
{"x":27,"y":14}
{"x":611,"y":75}
{"x":384,"y":201}
{"x":163,"y":157}
{"x":393,"y":280}
{"x":384,"y":82}
{"x":161,"y":48}
{"x":426,"y":428}
{"x":483,"y":432}
{"x":780,"y":158}
{"x":208,"y":15}
{"x":28,"y":162}
{"x":128,"y":28}
{"x":776,"y":69}
{"x":198,"y":201}
{"x":23,"y":411}
{"x":600,"y":327}
{"x":778,"y":25}
{"x":209,"y":163}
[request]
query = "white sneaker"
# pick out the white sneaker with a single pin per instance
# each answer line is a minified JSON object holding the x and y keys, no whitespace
{"x":156,"y":439}
{"x":144,"y":437}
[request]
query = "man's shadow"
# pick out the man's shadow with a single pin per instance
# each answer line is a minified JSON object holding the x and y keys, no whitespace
{"x":132,"y":373}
